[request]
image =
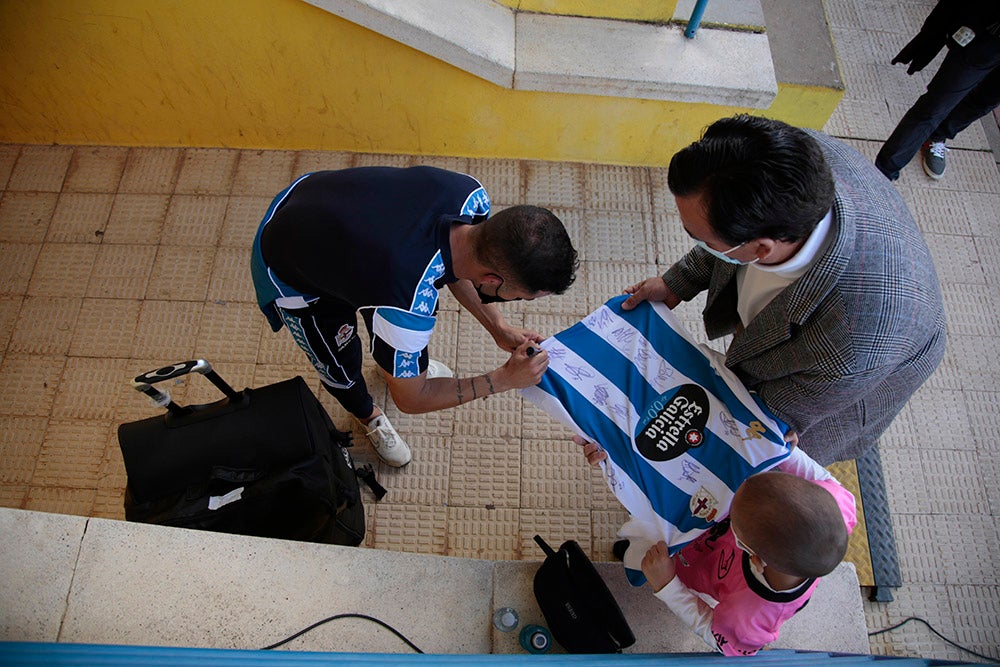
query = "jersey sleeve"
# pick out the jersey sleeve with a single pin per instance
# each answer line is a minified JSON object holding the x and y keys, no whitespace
{"x":802,"y":465}
{"x":737,"y":626}
{"x":399,"y":340}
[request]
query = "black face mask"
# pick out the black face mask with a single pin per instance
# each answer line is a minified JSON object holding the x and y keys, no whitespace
{"x":486,"y":298}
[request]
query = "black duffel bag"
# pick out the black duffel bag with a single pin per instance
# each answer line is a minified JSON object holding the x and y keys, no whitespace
{"x":266,"y":462}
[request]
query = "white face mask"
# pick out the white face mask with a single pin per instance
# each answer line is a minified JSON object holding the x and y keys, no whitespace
{"x":724,"y":256}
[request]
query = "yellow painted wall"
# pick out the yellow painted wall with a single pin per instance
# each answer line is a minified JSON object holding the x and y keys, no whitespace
{"x":284,"y":74}
{"x":804,"y":106}
{"x":655,"y":11}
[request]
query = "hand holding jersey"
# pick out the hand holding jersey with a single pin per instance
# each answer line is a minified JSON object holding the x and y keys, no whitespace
{"x":650,"y":289}
{"x":423,"y":394}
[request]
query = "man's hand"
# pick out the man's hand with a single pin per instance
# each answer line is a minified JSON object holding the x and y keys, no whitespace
{"x":593,"y":452}
{"x":650,"y":289}
{"x":420,"y":394}
{"x":792,"y":438}
{"x":524,"y":370}
{"x":658,"y":566}
{"x":920,"y":51}
{"x":507,"y":338}
{"x":510,"y":338}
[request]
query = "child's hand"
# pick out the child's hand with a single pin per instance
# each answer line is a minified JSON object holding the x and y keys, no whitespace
{"x":658,"y":566}
{"x":593,"y":452}
{"x":792,"y":438}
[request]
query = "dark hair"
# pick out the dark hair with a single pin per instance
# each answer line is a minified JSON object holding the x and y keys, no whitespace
{"x":530,"y":245}
{"x":760,"y":178}
{"x":793,"y":524}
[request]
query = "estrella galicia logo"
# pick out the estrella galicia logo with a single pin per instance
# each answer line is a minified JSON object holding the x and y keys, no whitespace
{"x":674,"y":423}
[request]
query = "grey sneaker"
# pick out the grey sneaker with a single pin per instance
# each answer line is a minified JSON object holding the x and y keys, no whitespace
{"x":435,"y":369}
{"x":934,"y":161}
{"x":386,"y":442}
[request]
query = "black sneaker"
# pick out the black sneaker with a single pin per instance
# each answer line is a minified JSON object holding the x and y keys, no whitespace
{"x":934,"y":161}
{"x":619,"y":548}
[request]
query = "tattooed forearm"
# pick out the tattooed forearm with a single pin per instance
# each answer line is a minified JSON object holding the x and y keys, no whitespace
{"x":475,"y":393}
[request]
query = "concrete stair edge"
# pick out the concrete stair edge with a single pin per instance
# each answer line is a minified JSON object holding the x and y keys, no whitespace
{"x":100,"y":581}
{"x":542,"y":52}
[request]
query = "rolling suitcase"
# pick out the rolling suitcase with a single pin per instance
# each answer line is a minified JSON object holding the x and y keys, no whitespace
{"x":265,"y":462}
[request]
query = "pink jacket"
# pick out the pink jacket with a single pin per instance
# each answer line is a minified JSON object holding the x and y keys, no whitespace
{"x":749,"y":614}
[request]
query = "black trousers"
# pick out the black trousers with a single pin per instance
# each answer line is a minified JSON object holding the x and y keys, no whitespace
{"x":327,"y":333}
{"x":965,"y":88}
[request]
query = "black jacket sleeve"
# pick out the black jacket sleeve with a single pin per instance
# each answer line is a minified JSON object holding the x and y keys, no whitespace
{"x":943,"y":20}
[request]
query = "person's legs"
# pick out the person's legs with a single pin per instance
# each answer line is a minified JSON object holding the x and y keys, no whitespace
{"x":327,"y":333}
{"x":337,"y":359}
{"x":982,"y":100}
{"x":960,"y":72}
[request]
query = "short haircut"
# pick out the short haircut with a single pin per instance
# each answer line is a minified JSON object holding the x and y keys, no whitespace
{"x":760,"y":178}
{"x":793,"y":524}
{"x":530,"y":245}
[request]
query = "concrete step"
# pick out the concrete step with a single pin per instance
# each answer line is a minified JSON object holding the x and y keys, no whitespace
{"x":71,"y":579}
{"x":571,"y":54}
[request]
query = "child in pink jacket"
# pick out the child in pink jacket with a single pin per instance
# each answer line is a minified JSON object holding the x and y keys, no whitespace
{"x":786,"y":528}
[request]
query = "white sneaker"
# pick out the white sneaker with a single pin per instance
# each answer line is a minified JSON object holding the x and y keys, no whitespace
{"x":386,"y":442}
{"x":435,"y":369}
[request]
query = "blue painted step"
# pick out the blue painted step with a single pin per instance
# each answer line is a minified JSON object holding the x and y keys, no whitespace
{"x":28,"y":653}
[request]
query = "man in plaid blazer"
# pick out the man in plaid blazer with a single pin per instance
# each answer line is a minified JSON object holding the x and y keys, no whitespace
{"x":814,"y":264}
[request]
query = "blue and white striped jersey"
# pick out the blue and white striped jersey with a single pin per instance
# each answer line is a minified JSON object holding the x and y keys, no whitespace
{"x":680,"y":430}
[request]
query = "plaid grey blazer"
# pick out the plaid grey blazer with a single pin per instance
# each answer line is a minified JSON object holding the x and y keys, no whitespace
{"x":837,"y":354}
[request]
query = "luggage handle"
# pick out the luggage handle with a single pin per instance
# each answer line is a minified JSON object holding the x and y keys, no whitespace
{"x":549,"y":551}
{"x":161,"y":399}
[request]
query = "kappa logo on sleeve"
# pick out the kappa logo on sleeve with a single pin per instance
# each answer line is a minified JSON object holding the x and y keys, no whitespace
{"x":477,"y":203}
{"x":674,"y":423}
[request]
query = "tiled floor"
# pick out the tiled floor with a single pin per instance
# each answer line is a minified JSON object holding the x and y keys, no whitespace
{"x":117,"y":260}
{"x":940,"y":455}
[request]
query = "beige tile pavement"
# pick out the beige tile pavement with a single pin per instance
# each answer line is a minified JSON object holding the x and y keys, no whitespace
{"x":81,"y":313}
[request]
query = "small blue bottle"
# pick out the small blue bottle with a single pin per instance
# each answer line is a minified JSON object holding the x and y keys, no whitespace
{"x":535,"y":639}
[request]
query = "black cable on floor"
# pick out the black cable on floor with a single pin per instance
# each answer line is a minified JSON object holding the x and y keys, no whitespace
{"x":335,"y":617}
{"x":417,"y":649}
{"x":931,"y":628}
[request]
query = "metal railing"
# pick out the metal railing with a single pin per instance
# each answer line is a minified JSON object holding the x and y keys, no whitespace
{"x":695,"y":21}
